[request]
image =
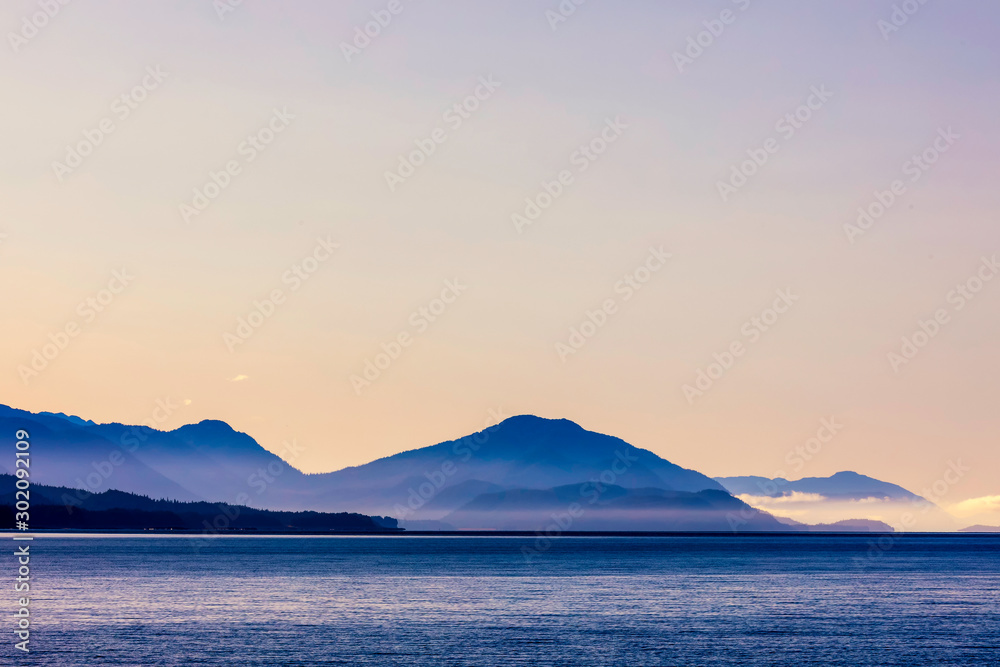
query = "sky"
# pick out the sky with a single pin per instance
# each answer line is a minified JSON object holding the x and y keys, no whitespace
{"x":640,"y":216}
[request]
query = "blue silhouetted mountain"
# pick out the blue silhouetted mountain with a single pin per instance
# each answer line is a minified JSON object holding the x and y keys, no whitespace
{"x":523,"y":452}
{"x":845,"y":485}
{"x":206,"y":461}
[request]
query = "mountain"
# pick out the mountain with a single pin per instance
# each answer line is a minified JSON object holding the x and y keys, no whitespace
{"x":845,"y":485}
{"x":204,"y":461}
{"x":524,"y":452}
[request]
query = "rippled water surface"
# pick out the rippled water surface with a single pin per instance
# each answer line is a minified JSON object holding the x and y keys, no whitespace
{"x":755,"y":600}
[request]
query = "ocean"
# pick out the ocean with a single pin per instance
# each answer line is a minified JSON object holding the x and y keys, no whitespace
{"x":413,"y":600}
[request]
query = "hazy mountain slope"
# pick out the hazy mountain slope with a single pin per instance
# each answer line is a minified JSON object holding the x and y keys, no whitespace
{"x":65,"y":454}
{"x":205,"y":461}
{"x":50,"y":509}
{"x":591,"y":507}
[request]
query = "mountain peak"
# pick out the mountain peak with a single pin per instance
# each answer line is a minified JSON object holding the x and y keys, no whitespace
{"x":535,"y":422}
{"x":219,"y":432}
{"x":218,"y":423}
{"x":213,"y":425}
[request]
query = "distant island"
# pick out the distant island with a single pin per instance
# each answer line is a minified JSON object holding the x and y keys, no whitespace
{"x":981,"y":529}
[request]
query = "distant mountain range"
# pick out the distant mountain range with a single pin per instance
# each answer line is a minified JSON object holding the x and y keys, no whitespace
{"x":840,"y":486}
{"x":522,"y":474}
{"x":826,"y":500}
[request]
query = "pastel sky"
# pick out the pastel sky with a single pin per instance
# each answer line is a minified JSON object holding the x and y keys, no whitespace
{"x":673,"y":129}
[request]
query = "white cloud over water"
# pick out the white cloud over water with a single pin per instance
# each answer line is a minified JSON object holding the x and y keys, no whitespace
{"x":792,"y":498}
{"x":985,"y":505}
